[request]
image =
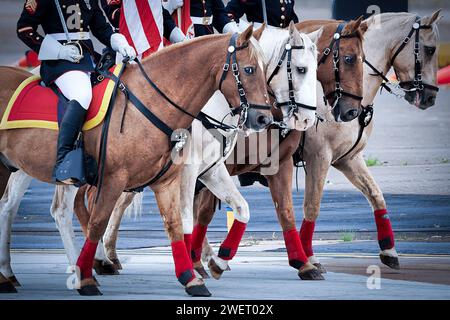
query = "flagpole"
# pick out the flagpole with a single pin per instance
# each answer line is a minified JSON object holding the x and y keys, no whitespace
{"x":264,"y":9}
{"x":179,"y":17}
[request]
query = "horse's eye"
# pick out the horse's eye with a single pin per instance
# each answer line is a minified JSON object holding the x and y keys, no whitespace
{"x":430,"y":50}
{"x":350,"y":59}
{"x":302,"y":70}
{"x":249,"y":70}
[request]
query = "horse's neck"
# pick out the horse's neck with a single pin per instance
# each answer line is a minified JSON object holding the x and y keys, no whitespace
{"x":381,"y":39}
{"x":185,"y":76}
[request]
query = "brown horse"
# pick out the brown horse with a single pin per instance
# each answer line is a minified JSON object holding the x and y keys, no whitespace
{"x":351,"y":80}
{"x":138,"y":154}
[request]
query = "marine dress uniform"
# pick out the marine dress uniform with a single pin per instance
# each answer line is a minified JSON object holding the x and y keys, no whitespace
{"x":207,"y":15}
{"x":67,"y":65}
{"x":279,"y":12}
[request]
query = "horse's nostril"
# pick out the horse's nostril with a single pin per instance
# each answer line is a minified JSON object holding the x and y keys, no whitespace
{"x":352,"y":114}
{"x":263,"y":120}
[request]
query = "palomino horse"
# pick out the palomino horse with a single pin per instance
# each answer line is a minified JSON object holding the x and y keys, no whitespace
{"x":211,"y":171}
{"x":273,"y":43}
{"x":141,"y":152}
{"x":350,"y":70}
{"x":332,"y":140}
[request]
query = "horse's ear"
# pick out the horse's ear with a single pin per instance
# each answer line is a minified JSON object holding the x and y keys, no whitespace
{"x":245,"y":36}
{"x":354,"y":25}
{"x":434,"y":18}
{"x":364,"y":26}
{"x":315,"y":35}
{"x":258,"y":33}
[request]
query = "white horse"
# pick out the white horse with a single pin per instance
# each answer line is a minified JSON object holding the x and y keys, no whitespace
{"x":273,"y":42}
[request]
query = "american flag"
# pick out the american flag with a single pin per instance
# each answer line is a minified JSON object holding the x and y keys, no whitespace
{"x":141,"y":22}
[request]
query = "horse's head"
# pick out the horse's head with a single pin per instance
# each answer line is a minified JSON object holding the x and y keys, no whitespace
{"x":417,"y":63}
{"x":243,"y":83}
{"x":292,"y":74}
{"x":340,"y":71}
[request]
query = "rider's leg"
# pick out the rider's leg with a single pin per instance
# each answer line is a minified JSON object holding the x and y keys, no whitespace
{"x":76,"y":87}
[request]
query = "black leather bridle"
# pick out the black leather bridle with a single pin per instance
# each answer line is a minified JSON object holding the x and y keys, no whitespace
{"x":231,"y":62}
{"x":292,"y":104}
{"x":334,"y":48}
{"x":417,"y":84}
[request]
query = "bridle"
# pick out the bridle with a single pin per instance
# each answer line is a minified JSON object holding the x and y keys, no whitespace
{"x":292,"y":104}
{"x":231,"y":61}
{"x":334,"y":47}
{"x":417,"y":84}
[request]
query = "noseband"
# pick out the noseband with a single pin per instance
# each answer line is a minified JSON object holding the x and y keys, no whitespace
{"x":335,"y":48}
{"x":231,"y":61}
{"x":417,"y":84}
{"x":293,"y":105}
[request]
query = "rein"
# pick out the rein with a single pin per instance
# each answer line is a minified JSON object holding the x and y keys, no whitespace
{"x":334,"y":47}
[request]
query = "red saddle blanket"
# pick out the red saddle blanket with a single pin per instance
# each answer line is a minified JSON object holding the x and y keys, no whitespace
{"x":35,"y":106}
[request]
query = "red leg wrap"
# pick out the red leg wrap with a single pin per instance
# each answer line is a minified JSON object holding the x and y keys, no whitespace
{"x":384,"y":228}
{"x":183,"y":265}
{"x":230,"y":246}
{"x":306,"y":236}
{"x":86,"y":259}
{"x":296,"y":255}
{"x":197,"y":242}
{"x":188,"y":242}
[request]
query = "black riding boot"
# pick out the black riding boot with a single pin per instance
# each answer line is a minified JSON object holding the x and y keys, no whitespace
{"x":70,"y":127}
{"x":249,"y":178}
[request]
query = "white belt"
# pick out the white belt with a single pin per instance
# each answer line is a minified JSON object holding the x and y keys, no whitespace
{"x":72,"y":35}
{"x":202,"y":20}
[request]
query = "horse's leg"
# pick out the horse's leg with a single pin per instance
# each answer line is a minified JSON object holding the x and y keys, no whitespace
{"x":167,"y":196}
{"x":359,"y":175}
{"x":112,"y":231}
{"x":317,"y":169}
{"x":102,"y":265}
{"x":62,"y":211}
{"x":222,"y":186}
{"x":9,"y":205}
{"x":204,"y":207}
{"x":280,"y":186}
{"x":101,"y":211}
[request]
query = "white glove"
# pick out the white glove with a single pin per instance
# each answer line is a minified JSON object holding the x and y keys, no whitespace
{"x":230,"y":27}
{"x":177,"y":36}
{"x":120,"y":44}
{"x":69,"y":53}
{"x":172,"y":5}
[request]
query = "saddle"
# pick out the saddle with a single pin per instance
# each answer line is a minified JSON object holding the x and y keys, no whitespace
{"x":35,"y":106}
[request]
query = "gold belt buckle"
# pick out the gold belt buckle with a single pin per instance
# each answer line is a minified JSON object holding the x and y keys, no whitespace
{"x":206,"y":21}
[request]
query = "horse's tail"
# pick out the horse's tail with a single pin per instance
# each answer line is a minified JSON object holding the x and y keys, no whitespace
{"x":134,"y":210}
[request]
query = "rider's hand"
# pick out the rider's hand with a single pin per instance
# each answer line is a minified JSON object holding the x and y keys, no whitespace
{"x":120,"y":44}
{"x":69,"y":53}
{"x":172,"y":5}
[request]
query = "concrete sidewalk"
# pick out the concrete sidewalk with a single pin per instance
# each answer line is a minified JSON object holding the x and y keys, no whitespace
{"x":256,"y":274}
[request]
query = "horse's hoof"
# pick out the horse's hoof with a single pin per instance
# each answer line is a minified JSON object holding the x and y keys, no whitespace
{"x":7,"y":287}
{"x":116,"y":264}
{"x":14,"y":281}
{"x":215,"y":270}
{"x":312,"y":274}
{"x":89,"y":290}
{"x":201,"y":271}
{"x":320,"y":267}
{"x":105,"y":269}
{"x":198,"y":291}
{"x":391,"y":262}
